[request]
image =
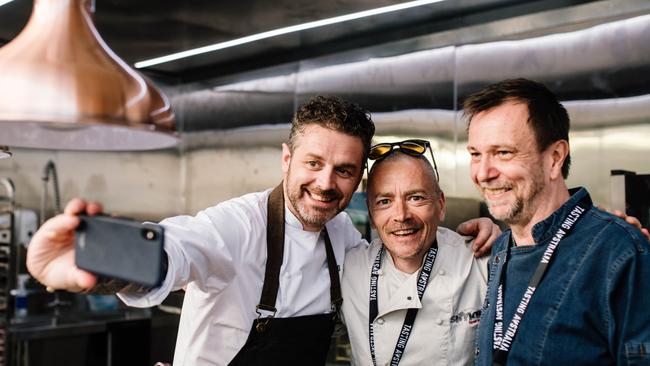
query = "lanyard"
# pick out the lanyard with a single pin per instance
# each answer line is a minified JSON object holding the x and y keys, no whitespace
{"x":501,"y":341}
{"x":423,"y":280}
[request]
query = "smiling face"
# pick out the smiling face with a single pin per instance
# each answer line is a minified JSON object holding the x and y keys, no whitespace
{"x":405,"y":207}
{"x":506,"y":166}
{"x":321,"y":174}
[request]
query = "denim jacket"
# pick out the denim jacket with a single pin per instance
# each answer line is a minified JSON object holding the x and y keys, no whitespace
{"x":592,"y":306}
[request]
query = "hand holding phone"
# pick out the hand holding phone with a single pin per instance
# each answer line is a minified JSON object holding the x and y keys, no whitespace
{"x":120,"y":248}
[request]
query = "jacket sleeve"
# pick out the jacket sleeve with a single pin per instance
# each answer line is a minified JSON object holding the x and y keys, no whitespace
{"x":629,"y":303}
{"x":203,"y":249}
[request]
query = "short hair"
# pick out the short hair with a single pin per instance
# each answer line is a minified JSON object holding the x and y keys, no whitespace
{"x":547,"y":117}
{"x":396,"y":155}
{"x":335,"y":114}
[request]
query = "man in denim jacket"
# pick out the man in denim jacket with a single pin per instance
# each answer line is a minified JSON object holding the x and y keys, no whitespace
{"x":569,"y":283}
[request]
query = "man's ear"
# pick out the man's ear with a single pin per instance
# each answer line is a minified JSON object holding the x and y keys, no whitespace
{"x":441,"y":202}
{"x":286,"y":158}
{"x":557,"y":152}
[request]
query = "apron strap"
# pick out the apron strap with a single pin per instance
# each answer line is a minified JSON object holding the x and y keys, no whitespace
{"x":275,"y":253}
{"x":275,"y":250}
{"x":335,"y":284}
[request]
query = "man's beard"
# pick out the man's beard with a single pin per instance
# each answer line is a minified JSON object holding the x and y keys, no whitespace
{"x":520,"y":211}
{"x":313,"y":216}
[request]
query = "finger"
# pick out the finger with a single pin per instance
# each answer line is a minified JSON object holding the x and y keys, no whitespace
{"x":485,"y":228}
{"x":57,"y":228}
{"x":82,"y":279}
{"x":633,"y":221}
{"x":467,"y":228}
{"x":619,"y":213}
{"x":94,"y":208}
{"x":487,"y":247}
{"x":60,"y":224}
{"x":481,"y":251}
{"x":75,"y":207}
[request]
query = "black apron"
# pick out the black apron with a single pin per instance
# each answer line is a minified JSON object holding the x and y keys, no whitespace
{"x":301,"y":340}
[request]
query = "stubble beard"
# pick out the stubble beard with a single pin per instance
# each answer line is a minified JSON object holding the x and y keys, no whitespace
{"x":520,"y":212}
{"x":311,"y":216}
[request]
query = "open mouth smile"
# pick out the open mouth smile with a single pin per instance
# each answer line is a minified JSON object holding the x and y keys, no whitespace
{"x":405,"y":232}
{"x":495,"y":192}
{"x":322,"y":199}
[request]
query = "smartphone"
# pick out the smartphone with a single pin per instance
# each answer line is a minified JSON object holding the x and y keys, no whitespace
{"x":120,"y":248}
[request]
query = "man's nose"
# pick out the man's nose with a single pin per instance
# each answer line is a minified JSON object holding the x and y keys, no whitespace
{"x":325,"y":179}
{"x":401,"y":212}
{"x":485,"y":169}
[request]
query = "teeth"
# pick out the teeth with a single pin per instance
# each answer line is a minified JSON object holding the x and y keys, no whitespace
{"x":404,"y":232}
{"x":320,"y":198}
{"x":495,"y":190}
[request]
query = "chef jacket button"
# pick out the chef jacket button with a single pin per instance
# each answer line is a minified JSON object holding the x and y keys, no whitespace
{"x":409,"y":298}
{"x":442,"y":272}
{"x":496,"y":259}
{"x":440,"y":321}
{"x":477,"y":351}
{"x":380,"y":321}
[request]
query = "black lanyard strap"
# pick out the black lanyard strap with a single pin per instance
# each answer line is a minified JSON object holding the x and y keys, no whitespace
{"x":503,"y":341}
{"x":409,"y":320}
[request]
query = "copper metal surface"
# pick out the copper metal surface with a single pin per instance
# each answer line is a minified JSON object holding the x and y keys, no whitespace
{"x":61,"y":87}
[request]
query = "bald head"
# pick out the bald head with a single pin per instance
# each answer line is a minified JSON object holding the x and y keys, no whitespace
{"x":397,"y":157}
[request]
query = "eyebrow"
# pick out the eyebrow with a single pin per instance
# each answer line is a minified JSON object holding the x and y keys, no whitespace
{"x":344,"y":165}
{"x":407,"y":193}
{"x":492,"y":147}
{"x":414,"y":191}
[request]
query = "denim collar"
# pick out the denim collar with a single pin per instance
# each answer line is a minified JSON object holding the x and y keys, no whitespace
{"x":544,"y":229}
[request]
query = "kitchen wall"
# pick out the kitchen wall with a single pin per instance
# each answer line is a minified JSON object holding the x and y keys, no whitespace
{"x":154,"y":185}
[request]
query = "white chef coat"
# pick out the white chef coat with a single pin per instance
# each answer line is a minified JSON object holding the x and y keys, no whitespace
{"x":220,"y":254}
{"x":448,"y":316}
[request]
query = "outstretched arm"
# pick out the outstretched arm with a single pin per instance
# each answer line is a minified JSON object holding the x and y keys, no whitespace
{"x":485,"y":232}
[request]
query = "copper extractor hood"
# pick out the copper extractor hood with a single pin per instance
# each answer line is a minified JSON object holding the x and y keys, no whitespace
{"x":61,"y":87}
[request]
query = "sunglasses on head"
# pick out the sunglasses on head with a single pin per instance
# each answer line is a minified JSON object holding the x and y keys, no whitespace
{"x":412,"y":147}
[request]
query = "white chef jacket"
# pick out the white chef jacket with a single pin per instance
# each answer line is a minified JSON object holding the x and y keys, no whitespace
{"x":448,"y":316}
{"x":220,"y":254}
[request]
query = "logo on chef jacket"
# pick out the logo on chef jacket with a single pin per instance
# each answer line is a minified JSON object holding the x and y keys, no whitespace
{"x":470,"y":316}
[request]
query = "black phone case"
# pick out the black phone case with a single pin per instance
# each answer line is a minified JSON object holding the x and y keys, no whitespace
{"x":120,"y":248}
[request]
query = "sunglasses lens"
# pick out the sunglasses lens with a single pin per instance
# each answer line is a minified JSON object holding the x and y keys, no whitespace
{"x":413,"y":147}
{"x":378,"y":151}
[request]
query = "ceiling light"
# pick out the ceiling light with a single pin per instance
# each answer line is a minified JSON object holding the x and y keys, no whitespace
{"x":2,"y":2}
{"x":281,"y":31}
{"x":61,"y":87}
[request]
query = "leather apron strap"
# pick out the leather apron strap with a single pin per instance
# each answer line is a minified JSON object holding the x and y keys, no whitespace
{"x":288,"y":341}
{"x":275,"y":253}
